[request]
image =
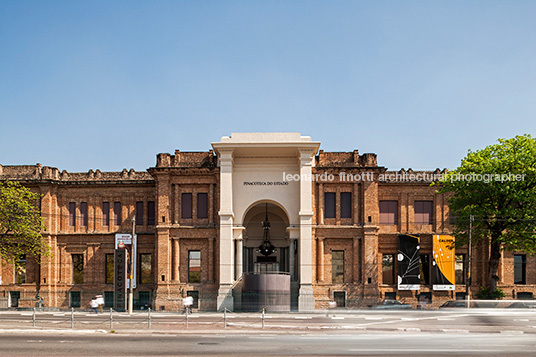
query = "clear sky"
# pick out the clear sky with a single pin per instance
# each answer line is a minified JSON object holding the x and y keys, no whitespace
{"x":109,"y":84}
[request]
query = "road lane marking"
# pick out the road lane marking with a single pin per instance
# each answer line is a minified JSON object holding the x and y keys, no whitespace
{"x":337,"y":317}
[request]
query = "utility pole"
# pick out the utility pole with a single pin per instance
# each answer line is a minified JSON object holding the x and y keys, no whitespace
{"x":469,"y":252}
{"x":131,"y":286}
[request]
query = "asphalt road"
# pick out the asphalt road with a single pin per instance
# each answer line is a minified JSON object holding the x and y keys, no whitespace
{"x":364,"y":344}
{"x":456,"y":332}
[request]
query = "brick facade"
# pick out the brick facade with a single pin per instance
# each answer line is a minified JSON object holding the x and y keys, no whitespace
{"x":169,"y":238}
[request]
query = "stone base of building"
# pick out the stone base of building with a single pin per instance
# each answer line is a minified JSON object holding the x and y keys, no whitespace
{"x":306,"y":299}
{"x":225,"y":298}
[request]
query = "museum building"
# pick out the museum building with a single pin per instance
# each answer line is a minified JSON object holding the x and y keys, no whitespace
{"x":261,"y":220}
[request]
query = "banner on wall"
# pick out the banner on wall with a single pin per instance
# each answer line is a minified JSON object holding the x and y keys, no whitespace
{"x":408,"y":262}
{"x":443,"y":262}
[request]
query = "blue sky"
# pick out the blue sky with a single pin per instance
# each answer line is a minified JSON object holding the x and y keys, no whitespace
{"x":109,"y":84}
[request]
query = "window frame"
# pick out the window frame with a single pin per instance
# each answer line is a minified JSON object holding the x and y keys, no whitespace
{"x":346,"y":209}
{"x":331,"y":211}
{"x":337,"y":275}
{"x":190,"y":261}
{"x":77,"y":278}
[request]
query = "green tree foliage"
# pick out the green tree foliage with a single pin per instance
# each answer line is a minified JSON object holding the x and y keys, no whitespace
{"x":20,"y":223}
{"x":497,"y":185}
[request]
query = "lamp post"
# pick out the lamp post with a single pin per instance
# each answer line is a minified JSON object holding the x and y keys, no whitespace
{"x":131,"y":275}
{"x":469,"y":252}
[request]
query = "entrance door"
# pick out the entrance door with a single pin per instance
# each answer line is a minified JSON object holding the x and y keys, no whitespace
{"x":340,"y":298}
{"x":14,"y":297}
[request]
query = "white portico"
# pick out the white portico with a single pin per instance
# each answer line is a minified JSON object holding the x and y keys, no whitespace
{"x":252,"y":169}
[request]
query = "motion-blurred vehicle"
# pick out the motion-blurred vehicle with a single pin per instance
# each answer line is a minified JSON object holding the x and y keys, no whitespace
{"x":454,"y":304}
{"x":523,"y":305}
{"x":392,"y":305}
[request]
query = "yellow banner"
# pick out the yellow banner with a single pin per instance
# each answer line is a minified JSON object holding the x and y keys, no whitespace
{"x":443,"y":262}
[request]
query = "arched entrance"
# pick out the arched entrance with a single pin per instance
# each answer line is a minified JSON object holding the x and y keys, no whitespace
{"x":266,"y":258}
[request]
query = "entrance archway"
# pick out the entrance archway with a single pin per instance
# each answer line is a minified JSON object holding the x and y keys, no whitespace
{"x":266,"y":259}
{"x":254,"y":235}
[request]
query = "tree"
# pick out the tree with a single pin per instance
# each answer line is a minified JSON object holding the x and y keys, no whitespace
{"x":496,"y":186}
{"x":20,"y":223}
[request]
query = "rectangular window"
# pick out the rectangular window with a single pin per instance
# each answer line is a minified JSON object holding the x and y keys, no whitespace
{"x":20,"y":270}
{"x":186,"y":205}
{"x":151,"y":214}
{"x":106,"y":214}
{"x":109,"y":268}
{"x":83,"y":214}
{"x":520,"y":271}
{"x":388,"y":212}
{"x":329,"y":205}
{"x":72,"y":214}
{"x":202,"y":205}
{"x":194,"y":266}
{"x":459,"y":269}
{"x":425,"y":269}
{"x":118,"y":213}
{"x":139,"y":213}
{"x":75,"y":299}
{"x":337,"y":266}
{"x":346,"y":205}
{"x":78,"y":268}
{"x":423,"y":212}
{"x":145,"y":268}
{"x":388,"y":269}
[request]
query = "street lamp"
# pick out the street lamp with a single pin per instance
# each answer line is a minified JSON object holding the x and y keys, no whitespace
{"x":131,"y":286}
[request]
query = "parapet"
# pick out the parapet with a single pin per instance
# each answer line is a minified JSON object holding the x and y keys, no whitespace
{"x":345,"y":159}
{"x":46,"y":173}
{"x":196,"y":159}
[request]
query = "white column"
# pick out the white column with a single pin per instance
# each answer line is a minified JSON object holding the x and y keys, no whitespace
{"x":306,"y":299}
{"x":225,"y":296}
{"x":238,"y":265}
{"x":294,"y":234}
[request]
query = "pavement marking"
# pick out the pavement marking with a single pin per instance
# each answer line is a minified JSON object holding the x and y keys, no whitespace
{"x":58,"y":315}
{"x":337,"y":317}
{"x":409,"y":319}
{"x":409,"y":329}
{"x":26,"y":313}
{"x":512,"y":332}
{"x":521,"y":319}
{"x":427,"y":350}
{"x":302,"y":317}
{"x":373,"y":318}
{"x":445,"y":319}
{"x":454,"y":330}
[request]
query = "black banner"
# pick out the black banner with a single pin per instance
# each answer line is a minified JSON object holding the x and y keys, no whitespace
{"x":408,"y":262}
{"x":120,"y":280}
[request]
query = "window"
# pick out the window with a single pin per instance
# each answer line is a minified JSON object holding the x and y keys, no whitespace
{"x":118,"y":212}
{"x":109,"y":269}
{"x":346,"y":205}
{"x":520,"y":271}
{"x":194,"y":266}
{"x":145,"y":268}
{"x":202,"y":205}
{"x":337,"y":266}
{"x":388,"y":212}
{"x":72,"y":214}
{"x":390,"y":295}
{"x":20,"y":270}
{"x":78,"y":268}
{"x":186,"y":205}
{"x":150,"y":213}
{"x":459,"y":269}
{"x":388,"y":269}
{"x":195,"y":295}
{"x":329,"y":205}
{"x":106,"y":214}
{"x":139,"y":213}
{"x":425,"y":269}
{"x":74,"y":298}
{"x":83,"y":214}
{"x":423,"y":212}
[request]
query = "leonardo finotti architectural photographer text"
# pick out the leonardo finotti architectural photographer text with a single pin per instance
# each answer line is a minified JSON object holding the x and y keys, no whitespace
{"x":403,"y":177}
